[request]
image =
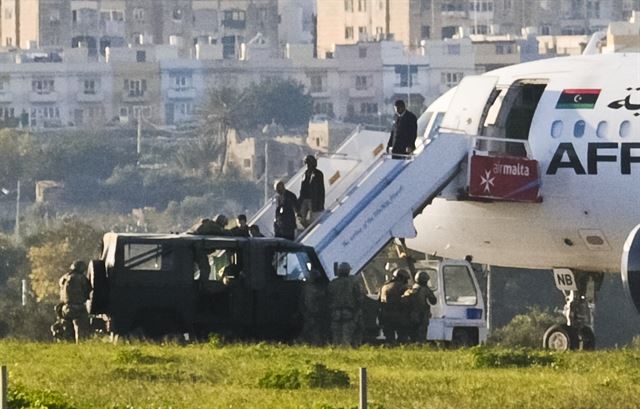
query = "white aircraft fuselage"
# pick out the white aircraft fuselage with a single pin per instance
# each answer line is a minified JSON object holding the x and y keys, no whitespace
{"x":585,"y":134}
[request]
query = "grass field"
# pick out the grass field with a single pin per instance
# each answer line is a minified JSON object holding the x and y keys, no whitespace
{"x":142,"y":375}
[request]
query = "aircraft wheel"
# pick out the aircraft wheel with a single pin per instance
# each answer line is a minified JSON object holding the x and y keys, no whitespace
{"x":587,"y":339}
{"x":560,"y":338}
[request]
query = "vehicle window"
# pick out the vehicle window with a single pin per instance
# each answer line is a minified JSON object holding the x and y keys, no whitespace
{"x":147,"y":257}
{"x":224,"y":262}
{"x":293,"y":266}
{"x":458,"y":286}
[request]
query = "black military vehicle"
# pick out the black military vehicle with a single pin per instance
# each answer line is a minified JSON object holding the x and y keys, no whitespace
{"x":156,"y":284}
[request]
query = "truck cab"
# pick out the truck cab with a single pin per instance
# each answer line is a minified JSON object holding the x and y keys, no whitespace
{"x":182,"y":283}
{"x":459,"y":315}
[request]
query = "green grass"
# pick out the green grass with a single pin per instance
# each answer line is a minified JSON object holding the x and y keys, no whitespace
{"x":141,"y":375}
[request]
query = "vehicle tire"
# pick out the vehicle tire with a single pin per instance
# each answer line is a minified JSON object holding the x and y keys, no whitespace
{"x":99,"y":299}
{"x":587,"y":339}
{"x":560,"y":338}
{"x":463,"y":338}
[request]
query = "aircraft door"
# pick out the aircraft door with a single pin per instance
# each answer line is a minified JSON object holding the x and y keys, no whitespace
{"x":468,"y":105}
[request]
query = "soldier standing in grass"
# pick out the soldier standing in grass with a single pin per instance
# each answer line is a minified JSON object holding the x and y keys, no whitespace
{"x":392,"y":310}
{"x":75,"y":289}
{"x":345,"y":305}
{"x":418,"y":300}
{"x":313,"y":301}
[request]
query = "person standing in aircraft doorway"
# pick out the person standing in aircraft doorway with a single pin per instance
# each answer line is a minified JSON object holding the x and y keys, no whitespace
{"x":402,"y":140}
{"x":311,"y":192}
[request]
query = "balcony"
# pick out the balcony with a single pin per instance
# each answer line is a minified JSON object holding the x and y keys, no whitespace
{"x":36,"y":97}
{"x":6,"y":97}
{"x":362,"y":93}
{"x":95,"y":97}
{"x":181,"y":93}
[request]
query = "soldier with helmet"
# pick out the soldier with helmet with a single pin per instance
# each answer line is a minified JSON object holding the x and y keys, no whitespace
{"x":345,"y":304}
{"x":75,"y":289}
{"x":392,"y":314}
{"x":313,"y":300}
{"x":418,"y":300}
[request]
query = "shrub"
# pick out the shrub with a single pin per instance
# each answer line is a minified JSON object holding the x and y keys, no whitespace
{"x":525,"y":330}
{"x":133,"y":356}
{"x":315,"y":375}
{"x":509,"y":358}
{"x":46,"y":399}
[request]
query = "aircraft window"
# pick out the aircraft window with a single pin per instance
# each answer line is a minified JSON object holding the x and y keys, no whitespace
{"x":625,"y":129}
{"x":458,"y":286}
{"x":578,"y":129}
{"x":556,"y":129}
{"x":602,"y":129}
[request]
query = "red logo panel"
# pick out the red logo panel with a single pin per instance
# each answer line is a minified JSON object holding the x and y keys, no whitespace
{"x":504,"y":178}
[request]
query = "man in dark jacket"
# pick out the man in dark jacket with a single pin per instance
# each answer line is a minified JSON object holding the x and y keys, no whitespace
{"x":402,"y":140}
{"x":242,"y":228}
{"x":311,"y":192}
{"x":284,"y":224}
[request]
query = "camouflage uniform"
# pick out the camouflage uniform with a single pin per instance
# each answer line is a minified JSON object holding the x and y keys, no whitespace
{"x":313,"y":301}
{"x":345,"y":304}
{"x":418,"y":299}
{"x":392,"y":309}
{"x":75,"y":289}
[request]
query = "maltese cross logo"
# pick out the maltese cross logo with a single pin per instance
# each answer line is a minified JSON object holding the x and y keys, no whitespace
{"x":487,"y":181}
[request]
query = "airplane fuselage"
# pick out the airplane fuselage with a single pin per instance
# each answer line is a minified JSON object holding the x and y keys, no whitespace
{"x":585,"y":134}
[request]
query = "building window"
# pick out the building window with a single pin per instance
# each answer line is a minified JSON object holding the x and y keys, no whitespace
{"x":453,"y":49}
{"x":504,"y":48}
{"x":362,"y":33}
{"x":402,"y":75}
{"x":181,"y":82}
{"x":362,"y":5}
{"x":323,"y":108}
{"x":449,"y":31}
{"x":348,"y":5}
{"x":348,"y":33}
{"x":368,"y":108}
{"x":9,"y":41}
{"x":317,"y":83}
{"x":234,"y":19}
{"x":138,"y":14}
{"x":135,"y":88}
{"x":137,"y":38}
{"x":177,"y":14}
{"x":545,"y":30}
{"x":247,"y":163}
{"x":508,"y":4}
{"x":425,"y":32}
{"x":451,"y":78}
{"x":42,"y":86}
{"x":362,"y":52}
{"x":141,"y":56}
{"x":117,"y":15}
{"x":90,"y":86}
{"x":361,"y":82}
{"x":8,"y":14}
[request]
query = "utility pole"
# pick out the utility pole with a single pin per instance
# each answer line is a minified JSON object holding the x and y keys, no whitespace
{"x":17,"y":226}
{"x":139,"y":137}
{"x":266,"y":170}
{"x":489,"y":301}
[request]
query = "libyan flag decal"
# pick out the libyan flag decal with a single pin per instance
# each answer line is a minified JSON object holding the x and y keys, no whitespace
{"x":578,"y":99}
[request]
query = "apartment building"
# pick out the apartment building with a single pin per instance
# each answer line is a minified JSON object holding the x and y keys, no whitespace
{"x":412,"y":21}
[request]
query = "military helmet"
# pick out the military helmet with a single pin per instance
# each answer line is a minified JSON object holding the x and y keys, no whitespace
{"x":421,"y":277}
{"x":221,"y":219}
{"x":344,"y":269}
{"x":402,"y":274}
{"x":78,"y":266}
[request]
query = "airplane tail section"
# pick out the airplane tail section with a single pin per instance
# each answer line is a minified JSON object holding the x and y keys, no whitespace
{"x":384,"y":201}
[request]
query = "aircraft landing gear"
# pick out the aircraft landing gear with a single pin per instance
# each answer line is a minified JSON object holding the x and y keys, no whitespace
{"x":579,"y":289}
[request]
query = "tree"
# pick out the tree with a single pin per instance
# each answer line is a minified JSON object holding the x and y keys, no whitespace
{"x":284,"y":101}
{"x":17,"y":157}
{"x":53,"y":251}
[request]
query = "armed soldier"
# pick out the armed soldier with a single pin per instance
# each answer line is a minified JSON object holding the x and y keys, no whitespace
{"x":418,"y":300}
{"x":312,"y":305}
{"x":75,"y":289}
{"x":392,"y":312}
{"x":345,"y":304}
